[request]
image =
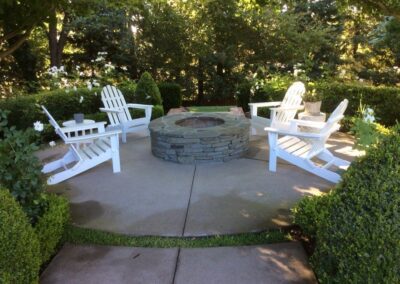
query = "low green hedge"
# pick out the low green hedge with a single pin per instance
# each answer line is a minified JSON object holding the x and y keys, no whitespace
{"x":171,"y":95}
{"x":19,"y":247}
{"x":384,"y":100}
{"x":25,"y":110}
{"x":50,"y":227}
{"x":357,"y":226}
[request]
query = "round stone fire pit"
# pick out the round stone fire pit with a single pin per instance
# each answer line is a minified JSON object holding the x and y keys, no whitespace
{"x":199,"y":137}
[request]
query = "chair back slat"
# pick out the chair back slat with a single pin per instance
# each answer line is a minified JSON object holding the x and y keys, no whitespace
{"x":54,"y":123}
{"x":58,"y":129}
{"x":113,"y":98}
{"x":336,"y":116}
{"x":293,"y":97}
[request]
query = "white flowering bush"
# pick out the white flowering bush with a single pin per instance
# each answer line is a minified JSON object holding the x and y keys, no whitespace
{"x":102,"y":72}
{"x":365,"y":129}
{"x":20,"y":170}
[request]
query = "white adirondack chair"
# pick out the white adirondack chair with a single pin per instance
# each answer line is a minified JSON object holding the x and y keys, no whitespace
{"x":85,"y":150}
{"x":299,"y":147}
{"x":281,"y":112}
{"x":118,"y":112}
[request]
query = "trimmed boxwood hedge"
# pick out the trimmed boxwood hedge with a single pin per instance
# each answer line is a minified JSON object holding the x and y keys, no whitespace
{"x":357,"y":226}
{"x":19,"y":246}
{"x":384,"y":100}
{"x":50,"y":227}
{"x":171,"y":95}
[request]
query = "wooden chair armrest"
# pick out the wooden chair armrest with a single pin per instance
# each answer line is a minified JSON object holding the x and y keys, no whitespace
{"x":295,"y":133}
{"x":283,"y":108}
{"x":112,"y":110}
{"x":91,"y":137}
{"x":299,"y":122}
{"x":265,"y":104}
{"x":140,"y":106}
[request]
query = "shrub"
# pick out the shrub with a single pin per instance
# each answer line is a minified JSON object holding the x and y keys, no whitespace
{"x":243,"y":93}
{"x":358,"y":237}
{"x":157,"y":112}
{"x":19,"y":246}
{"x":50,"y":227}
{"x":147,"y":91}
{"x":171,"y":95}
{"x":384,"y":100}
{"x":20,"y":170}
{"x":310,"y":212}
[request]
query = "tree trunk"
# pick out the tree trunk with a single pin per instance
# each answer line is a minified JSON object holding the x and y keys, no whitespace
{"x":52,"y":35}
{"x":200,"y":81}
{"x":57,"y":45}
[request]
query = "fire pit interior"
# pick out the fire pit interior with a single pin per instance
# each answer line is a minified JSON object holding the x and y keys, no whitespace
{"x":199,"y":137}
{"x":200,"y":122}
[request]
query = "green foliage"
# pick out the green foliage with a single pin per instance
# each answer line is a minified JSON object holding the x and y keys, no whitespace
{"x":24,"y":110}
{"x":357,"y":235}
{"x":51,"y":225}
{"x":171,"y":95}
{"x":243,"y":93}
{"x":19,"y":246}
{"x":310,"y":212}
{"x":384,"y":100}
{"x":157,"y":111}
{"x":20,"y":169}
{"x":147,"y":91}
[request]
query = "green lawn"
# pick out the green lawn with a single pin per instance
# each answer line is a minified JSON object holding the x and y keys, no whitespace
{"x":76,"y":235}
{"x":209,"y":108}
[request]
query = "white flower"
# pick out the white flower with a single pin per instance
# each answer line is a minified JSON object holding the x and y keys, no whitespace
{"x":124,"y":68}
{"x":61,"y":69}
{"x":148,"y":97}
{"x":77,"y":67}
{"x":80,"y":99}
{"x":38,"y":126}
{"x":75,"y":88}
{"x":95,"y":83}
{"x":89,"y":85}
{"x":95,"y":93}
{"x":109,"y":65}
{"x":52,"y":144}
{"x":369,"y":115}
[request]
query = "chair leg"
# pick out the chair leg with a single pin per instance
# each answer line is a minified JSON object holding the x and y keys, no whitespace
{"x":272,"y":138}
{"x":123,"y":135}
{"x":115,"y":154}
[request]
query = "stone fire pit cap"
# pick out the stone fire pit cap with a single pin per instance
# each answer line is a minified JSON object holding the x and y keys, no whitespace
{"x":233,"y":124}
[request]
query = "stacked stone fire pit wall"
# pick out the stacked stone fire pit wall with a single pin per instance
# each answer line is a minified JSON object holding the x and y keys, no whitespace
{"x":182,"y":144}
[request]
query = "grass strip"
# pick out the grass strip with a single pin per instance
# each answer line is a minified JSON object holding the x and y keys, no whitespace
{"x":209,"y":108}
{"x":83,"y":236}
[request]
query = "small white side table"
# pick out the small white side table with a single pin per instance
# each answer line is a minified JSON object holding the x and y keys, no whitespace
{"x":319,"y":117}
{"x":72,"y":123}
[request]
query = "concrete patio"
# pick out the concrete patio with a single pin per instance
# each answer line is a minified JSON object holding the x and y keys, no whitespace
{"x":155,"y":197}
{"x":275,"y":263}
